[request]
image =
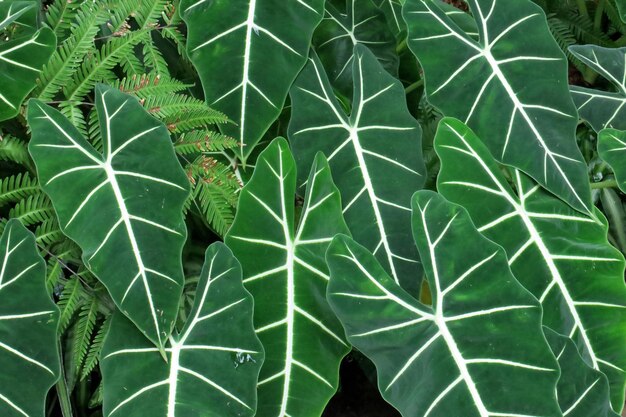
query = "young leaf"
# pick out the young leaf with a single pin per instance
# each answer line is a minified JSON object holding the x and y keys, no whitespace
{"x":29,"y":354}
{"x":22,"y":57}
{"x":510,"y":86}
{"x":612,"y":149}
{"x":559,"y":255}
{"x":255,"y":49}
{"x":124,"y":208}
{"x":212,"y":366}
{"x":582,"y":391}
{"x":343,"y":27}
{"x":602,"y":108}
{"x":443,"y":360}
{"x":375,"y":155}
{"x":285,"y":270}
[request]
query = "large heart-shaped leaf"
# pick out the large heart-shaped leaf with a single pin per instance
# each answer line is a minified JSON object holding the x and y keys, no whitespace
{"x":125,"y":206}
{"x":343,"y":27}
{"x":375,"y":155}
{"x":612,"y":149}
{"x":247,"y":53}
{"x":621,"y":7}
{"x":212,"y":366}
{"x":22,"y":55}
{"x":475,"y":351}
{"x":602,"y":108}
{"x":285,"y":270}
{"x":561,"y":256}
{"x":29,"y":354}
{"x":510,"y":86}
{"x":582,"y":391}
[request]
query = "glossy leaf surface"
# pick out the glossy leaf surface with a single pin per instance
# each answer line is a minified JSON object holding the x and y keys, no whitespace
{"x":22,"y":55}
{"x":212,"y":365}
{"x":441,"y":360}
{"x":285,"y":270}
{"x":612,"y":149}
{"x":347,"y":23}
{"x":125,"y":205}
{"x":374,"y":153}
{"x":602,"y":108}
{"x":510,"y":86}
{"x":558,"y":254}
{"x":29,"y":354}
{"x":247,"y":53}
{"x":582,"y":391}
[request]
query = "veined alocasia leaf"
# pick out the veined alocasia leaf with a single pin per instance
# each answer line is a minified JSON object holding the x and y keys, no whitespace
{"x":478,"y":351}
{"x":123,"y":207}
{"x":247,"y":53}
{"x":602,"y":108}
{"x":510,"y":86}
{"x":212,"y":365}
{"x":582,"y":391}
{"x":346,"y":24}
{"x":22,"y":55}
{"x":374,"y":154}
{"x":621,"y":8}
{"x":285,"y":270}
{"x":612,"y":149}
{"x":561,"y":256}
{"x":29,"y":354}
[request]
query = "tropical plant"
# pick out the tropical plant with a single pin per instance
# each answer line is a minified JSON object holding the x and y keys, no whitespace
{"x":429,"y":192}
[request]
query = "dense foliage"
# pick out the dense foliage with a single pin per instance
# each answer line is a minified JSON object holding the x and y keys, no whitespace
{"x":211,"y":207}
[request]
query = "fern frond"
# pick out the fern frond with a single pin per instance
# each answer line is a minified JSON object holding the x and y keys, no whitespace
{"x":93,"y":130}
{"x":48,"y":233}
{"x":200,"y":141}
{"x":84,"y":333}
{"x":59,"y":15}
{"x":153,"y":58}
{"x":17,"y":187}
{"x":64,"y":62}
{"x":69,"y":301}
{"x":171,"y":31}
{"x":216,"y":192}
{"x":93,"y":355}
{"x":54,"y":272}
{"x":149,"y":85}
{"x":14,"y":150}
{"x":99,"y":66}
{"x":98,"y":397}
{"x":119,"y":13}
{"x":72,"y":110}
{"x":565,"y":38}
{"x":132,"y":65}
{"x":35,"y":209}
{"x":182,"y":113}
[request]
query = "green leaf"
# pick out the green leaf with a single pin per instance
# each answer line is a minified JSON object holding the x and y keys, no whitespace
{"x":29,"y":355}
{"x":581,"y":390}
{"x":474,"y":351}
{"x":285,"y":270}
{"x":612,"y":149}
{"x":212,"y":365}
{"x":21,"y":57}
{"x":253,"y":53}
{"x":559,"y":255}
{"x":393,"y":12}
{"x":343,"y":27}
{"x":602,"y":108}
{"x":125,"y":208}
{"x":375,"y":155}
{"x":510,"y":86}
{"x":621,"y":7}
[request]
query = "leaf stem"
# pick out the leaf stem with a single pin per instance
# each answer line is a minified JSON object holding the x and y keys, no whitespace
{"x":417,"y":84}
{"x":604,"y":184}
{"x":401,"y":46}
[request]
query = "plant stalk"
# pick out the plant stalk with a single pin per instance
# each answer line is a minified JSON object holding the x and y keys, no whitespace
{"x":604,"y":184}
{"x":414,"y":86}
